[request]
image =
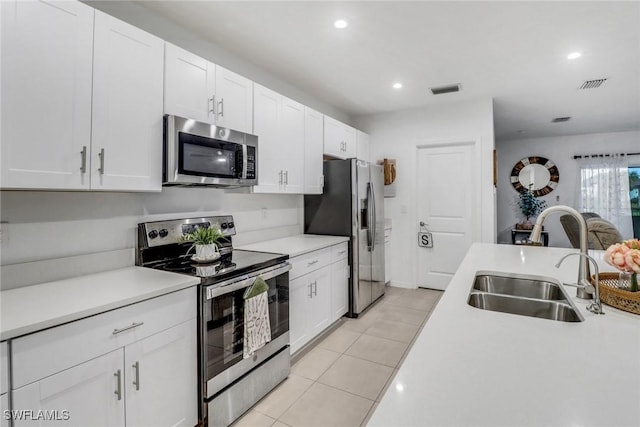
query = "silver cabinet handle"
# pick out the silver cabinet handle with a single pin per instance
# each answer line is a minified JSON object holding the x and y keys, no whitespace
{"x":136,"y":380}
{"x":310,"y":290}
{"x":118,"y":391}
{"x":221,"y":107}
{"x":280,"y":174}
{"x":341,"y":252}
{"x":286,"y":177}
{"x":212,"y":100}
{"x":126,"y":328}
{"x":101,"y":155}
{"x":315,"y":287}
{"x":309,"y":264}
{"x":83,"y":156}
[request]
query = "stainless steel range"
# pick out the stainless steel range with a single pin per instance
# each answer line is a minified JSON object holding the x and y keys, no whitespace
{"x":230,"y":384}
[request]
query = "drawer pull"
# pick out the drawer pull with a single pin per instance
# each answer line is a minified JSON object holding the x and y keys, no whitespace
{"x":126,"y":328}
{"x":309,"y":264}
{"x":136,"y":381}
{"x":118,"y":391}
{"x":341,"y":252}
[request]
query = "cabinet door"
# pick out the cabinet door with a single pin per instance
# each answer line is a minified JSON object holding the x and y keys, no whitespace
{"x":127,"y":107}
{"x":292,"y":145}
{"x":313,"y":136}
{"x":299,"y":295}
{"x":339,"y":289}
{"x":350,"y":141}
{"x":267,"y":116}
{"x":234,"y":100}
{"x":46,"y":93}
{"x":189,"y":85}
{"x":333,"y":138}
{"x":4,"y":367}
{"x":92,"y":393}
{"x":363,"y":146}
{"x":320,"y":303}
{"x":4,"y":406}
{"x":161,"y":378}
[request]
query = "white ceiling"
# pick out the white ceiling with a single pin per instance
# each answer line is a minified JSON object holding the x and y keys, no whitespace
{"x":515,"y":52}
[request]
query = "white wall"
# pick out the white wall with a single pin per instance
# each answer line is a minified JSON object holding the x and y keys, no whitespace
{"x":560,"y":150}
{"x":43,"y":225}
{"x":396,"y":135}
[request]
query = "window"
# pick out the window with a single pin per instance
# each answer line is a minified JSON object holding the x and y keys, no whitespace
{"x":634,"y":197}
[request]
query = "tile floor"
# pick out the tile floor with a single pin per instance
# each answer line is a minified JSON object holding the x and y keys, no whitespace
{"x":340,"y":380}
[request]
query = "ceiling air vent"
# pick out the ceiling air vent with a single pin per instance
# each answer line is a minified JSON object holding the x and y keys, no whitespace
{"x":592,"y":84}
{"x":446,"y":89}
{"x":561,"y":119}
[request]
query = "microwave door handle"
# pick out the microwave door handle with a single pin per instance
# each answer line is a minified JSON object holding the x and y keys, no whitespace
{"x":244,"y":161}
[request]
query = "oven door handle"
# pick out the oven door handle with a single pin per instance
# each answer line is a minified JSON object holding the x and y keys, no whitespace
{"x":246,"y":280}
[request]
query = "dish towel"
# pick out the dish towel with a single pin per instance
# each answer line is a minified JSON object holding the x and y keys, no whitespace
{"x":257,"y":329}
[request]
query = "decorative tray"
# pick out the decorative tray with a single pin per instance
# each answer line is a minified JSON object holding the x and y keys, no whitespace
{"x":612,"y":294}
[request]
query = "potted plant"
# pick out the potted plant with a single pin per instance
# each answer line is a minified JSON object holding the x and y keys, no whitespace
{"x":530,"y":206}
{"x":204,"y":241}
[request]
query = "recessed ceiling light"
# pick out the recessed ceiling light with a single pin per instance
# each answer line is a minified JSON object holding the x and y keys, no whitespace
{"x":340,"y":24}
{"x":574,"y":55}
{"x":397,"y":85}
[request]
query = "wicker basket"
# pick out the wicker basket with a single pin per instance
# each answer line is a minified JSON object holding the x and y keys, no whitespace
{"x":612,"y":295}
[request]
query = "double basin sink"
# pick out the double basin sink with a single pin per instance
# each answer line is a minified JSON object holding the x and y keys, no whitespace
{"x":521,"y":294}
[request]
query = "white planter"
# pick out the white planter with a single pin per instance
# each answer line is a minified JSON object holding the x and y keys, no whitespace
{"x":206,"y":252}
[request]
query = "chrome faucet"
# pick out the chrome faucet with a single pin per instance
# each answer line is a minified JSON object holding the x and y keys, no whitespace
{"x":596,"y":305}
{"x":583,"y":269}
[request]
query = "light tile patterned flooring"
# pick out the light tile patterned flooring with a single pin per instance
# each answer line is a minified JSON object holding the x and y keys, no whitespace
{"x":340,"y":380}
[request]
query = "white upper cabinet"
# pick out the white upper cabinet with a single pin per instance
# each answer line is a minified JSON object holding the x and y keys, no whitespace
{"x":189,"y":85}
{"x":313,"y":145}
{"x":363,"y":146}
{"x":201,"y":90}
{"x":47,"y":52}
{"x":81,"y":100}
{"x":339,"y":139}
{"x":127,"y":107}
{"x":279,"y":124}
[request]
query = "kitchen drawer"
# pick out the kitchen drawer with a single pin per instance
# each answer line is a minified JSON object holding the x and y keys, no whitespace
{"x":44,"y":353}
{"x":339,"y":252}
{"x":4,"y":368}
{"x":309,"y":262}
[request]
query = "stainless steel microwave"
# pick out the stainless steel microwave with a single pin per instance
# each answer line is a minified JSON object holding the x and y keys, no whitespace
{"x":197,"y":153}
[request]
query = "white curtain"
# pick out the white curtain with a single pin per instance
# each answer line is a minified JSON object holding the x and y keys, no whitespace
{"x":604,"y":189}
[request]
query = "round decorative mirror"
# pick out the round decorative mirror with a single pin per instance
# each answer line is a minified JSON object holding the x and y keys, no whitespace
{"x":538,"y":174}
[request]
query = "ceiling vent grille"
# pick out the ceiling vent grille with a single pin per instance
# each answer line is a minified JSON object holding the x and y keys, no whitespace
{"x":561,"y":119}
{"x":592,"y":84}
{"x":446,"y":89}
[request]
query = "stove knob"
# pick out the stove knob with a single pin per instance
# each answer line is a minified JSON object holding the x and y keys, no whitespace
{"x":231,"y":225}
{"x":153,"y":234}
{"x":223,"y":226}
{"x":164,"y":232}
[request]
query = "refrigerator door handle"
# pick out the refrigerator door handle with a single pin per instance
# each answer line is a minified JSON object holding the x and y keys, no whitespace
{"x":372,"y":225}
{"x":369,"y":218}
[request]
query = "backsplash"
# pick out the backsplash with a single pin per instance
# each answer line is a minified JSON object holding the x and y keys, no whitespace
{"x":45,"y":225}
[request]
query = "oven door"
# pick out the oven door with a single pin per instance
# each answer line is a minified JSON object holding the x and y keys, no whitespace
{"x":223,"y":326}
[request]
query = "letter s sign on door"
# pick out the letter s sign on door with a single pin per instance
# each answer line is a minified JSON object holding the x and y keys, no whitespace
{"x":425,"y":240}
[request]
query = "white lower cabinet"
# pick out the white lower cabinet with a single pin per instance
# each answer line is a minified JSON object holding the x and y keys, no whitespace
{"x":4,"y":406}
{"x":318,"y":296}
{"x":134,"y":366}
{"x":4,"y":384}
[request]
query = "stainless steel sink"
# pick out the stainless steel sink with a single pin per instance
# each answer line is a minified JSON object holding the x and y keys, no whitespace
{"x":518,"y":285}
{"x":524,"y":295}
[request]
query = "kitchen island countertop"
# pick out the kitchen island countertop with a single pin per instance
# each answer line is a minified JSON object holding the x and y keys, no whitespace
{"x":472,"y":367}
{"x":32,"y":308}
{"x":295,"y":245}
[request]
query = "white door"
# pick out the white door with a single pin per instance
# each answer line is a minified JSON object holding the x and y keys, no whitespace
{"x":319,"y":311}
{"x":313,"y":133}
{"x":299,"y":296}
{"x":92,"y":393}
{"x":267,"y":117}
{"x":47,"y":50}
{"x":127,"y":107}
{"x":234,"y":100}
{"x":334,"y":144}
{"x":292,"y":145}
{"x":161,"y":378}
{"x":189,"y":85}
{"x":449,"y":206}
{"x":339,"y":288}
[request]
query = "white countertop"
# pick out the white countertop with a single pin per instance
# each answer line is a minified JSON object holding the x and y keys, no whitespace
{"x":472,"y":367}
{"x":295,"y":245}
{"x":32,"y":308}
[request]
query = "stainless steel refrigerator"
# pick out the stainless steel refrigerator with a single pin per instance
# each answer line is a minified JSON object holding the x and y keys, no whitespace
{"x":352,"y":204}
